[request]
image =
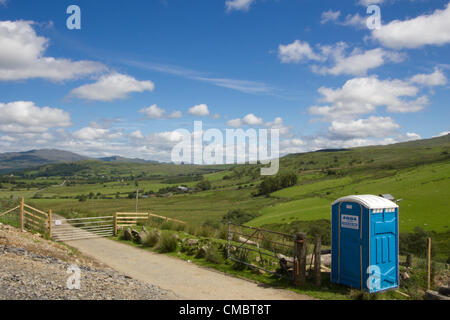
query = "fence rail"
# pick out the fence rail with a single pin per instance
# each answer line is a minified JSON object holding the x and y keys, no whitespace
{"x":9,"y":211}
{"x":128,"y":219}
{"x":258,"y":248}
{"x":82,"y":228}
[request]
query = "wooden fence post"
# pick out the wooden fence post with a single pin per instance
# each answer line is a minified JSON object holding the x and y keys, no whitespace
{"x":115,"y":224}
{"x":429,"y":264}
{"x":300,"y":259}
{"x":317,"y":262}
{"x":229,"y":237}
{"x":50,"y":229}
{"x":22,"y":201}
{"x":409,"y":261}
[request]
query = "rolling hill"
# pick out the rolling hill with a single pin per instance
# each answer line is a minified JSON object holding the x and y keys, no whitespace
{"x":13,"y":161}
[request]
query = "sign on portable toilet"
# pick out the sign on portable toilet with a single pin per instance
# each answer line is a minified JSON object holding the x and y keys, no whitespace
{"x":364,"y":243}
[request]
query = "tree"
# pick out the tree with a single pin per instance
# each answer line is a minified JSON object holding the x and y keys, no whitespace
{"x":204,"y":185}
{"x":272,"y":184}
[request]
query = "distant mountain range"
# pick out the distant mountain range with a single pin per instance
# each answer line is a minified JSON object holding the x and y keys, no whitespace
{"x":12,"y":161}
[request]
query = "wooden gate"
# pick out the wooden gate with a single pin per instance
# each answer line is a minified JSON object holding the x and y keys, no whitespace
{"x":257,"y":248}
{"x":82,"y":228}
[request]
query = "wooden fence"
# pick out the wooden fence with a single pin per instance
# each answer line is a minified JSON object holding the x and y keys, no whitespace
{"x":32,"y":218}
{"x":38,"y":220}
{"x":128,"y":219}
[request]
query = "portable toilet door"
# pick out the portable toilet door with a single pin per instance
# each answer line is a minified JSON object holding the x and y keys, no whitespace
{"x":365,"y":243}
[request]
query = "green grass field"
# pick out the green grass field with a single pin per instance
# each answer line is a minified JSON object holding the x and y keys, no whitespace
{"x":424,"y":191}
{"x":417,"y":172}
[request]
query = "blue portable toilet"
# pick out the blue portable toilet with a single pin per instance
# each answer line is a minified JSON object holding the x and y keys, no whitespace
{"x":364,"y":243}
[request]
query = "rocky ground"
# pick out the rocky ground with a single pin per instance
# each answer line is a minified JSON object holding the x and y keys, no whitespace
{"x":34,"y":268}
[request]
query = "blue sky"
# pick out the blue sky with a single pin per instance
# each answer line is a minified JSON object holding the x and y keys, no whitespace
{"x":138,"y":70}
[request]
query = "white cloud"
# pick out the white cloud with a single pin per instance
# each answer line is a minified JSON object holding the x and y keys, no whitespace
{"x":252,"y":120}
{"x":437,"y":78}
{"x":329,"y":15}
{"x":444,"y":133}
{"x":358,"y":62}
{"x":278,"y":123}
{"x":245,"y":86}
{"x":240,"y":5}
{"x":7,"y":138}
{"x":90,"y":133}
{"x":296,"y":52}
{"x":153,"y":112}
{"x":176,"y":115}
{"x":111,"y":87}
{"x":366,"y":3}
{"x":137,"y":134}
{"x":413,"y":136}
{"x":291,"y":146}
{"x":364,"y":95}
{"x":355,"y":20}
{"x":252,"y":87}
{"x":200,"y":110}
{"x":26,"y":117}
{"x":433,"y":29}
{"x":22,"y":56}
{"x":235,"y":123}
{"x":373,"y":127}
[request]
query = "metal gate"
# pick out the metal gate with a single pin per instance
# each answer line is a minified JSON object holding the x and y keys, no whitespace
{"x":257,"y":248}
{"x":82,"y":228}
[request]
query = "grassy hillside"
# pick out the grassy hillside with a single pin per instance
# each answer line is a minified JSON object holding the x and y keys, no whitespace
{"x":424,"y":190}
{"x":418,"y":172}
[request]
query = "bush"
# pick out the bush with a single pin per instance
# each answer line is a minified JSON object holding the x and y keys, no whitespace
{"x":272,"y":184}
{"x":222,"y":233}
{"x":363,"y":295}
{"x":239,"y":216}
{"x":212,"y":224}
{"x":213,"y":255}
{"x":152,"y":238}
{"x":204,"y":185}
{"x":192,"y":229}
{"x":242,"y":256}
{"x":415,"y":243}
{"x":172,"y":225}
{"x":205,"y":231}
{"x":167,"y":242}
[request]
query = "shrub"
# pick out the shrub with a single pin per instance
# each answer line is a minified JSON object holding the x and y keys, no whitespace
{"x":363,"y":295}
{"x":272,"y":184}
{"x":192,"y":229}
{"x":415,"y":242}
{"x":212,"y":224}
{"x":171,"y":225}
{"x":152,"y":238}
{"x":213,"y":255}
{"x":204,"y":185}
{"x":222,"y":233}
{"x":267,"y":242}
{"x":205,"y":231}
{"x":239,"y":216}
{"x":167,"y":242}
{"x":242,"y":256}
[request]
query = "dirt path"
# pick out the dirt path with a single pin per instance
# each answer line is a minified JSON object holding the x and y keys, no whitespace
{"x":185,"y":280}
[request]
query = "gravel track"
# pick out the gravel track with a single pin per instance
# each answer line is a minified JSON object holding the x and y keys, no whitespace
{"x":32,"y":268}
{"x":187,"y":280}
